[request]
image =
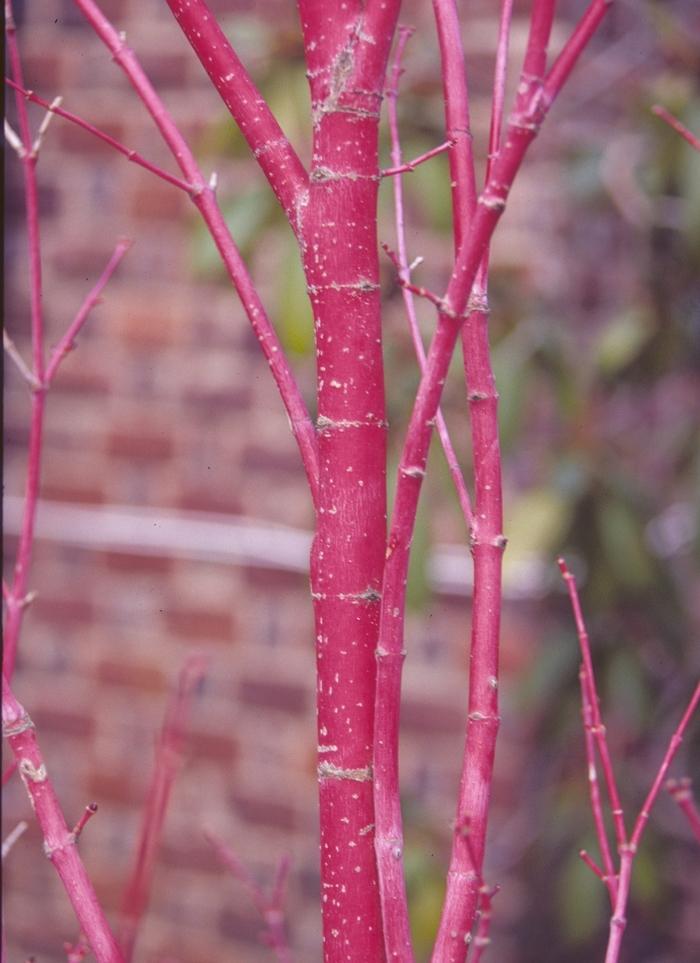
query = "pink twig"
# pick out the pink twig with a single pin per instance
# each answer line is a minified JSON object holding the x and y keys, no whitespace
{"x":165,"y":768}
{"x":12,"y":837}
{"x":270,"y":907}
{"x":499,"y":81}
{"x":130,"y":154}
{"x":596,"y":723}
{"x":482,"y":939}
{"x":628,"y":852}
{"x":76,"y":952}
{"x":609,"y":877}
{"x":273,"y":152}
{"x":404,"y":270}
{"x":67,"y":342}
{"x":28,"y":157}
{"x":26,"y":372}
{"x":593,"y":866}
{"x":681,"y":792}
{"x":679,"y":128}
{"x":59,"y":842}
{"x":86,"y":816}
{"x":9,"y":772}
{"x":422,"y":158}
{"x":204,"y":198}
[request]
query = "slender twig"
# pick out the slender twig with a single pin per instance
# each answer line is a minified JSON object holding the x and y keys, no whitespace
{"x":67,"y":342}
{"x":19,"y":362}
{"x":76,"y":952}
{"x":9,"y":772}
{"x":609,"y":876}
{"x":203,"y":196}
{"x":130,"y":154}
{"x":596,"y":726}
{"x":85,"y":817}
{"x":592,"y":865}
{"x":680,"y":790}
{"x":270,"y":906}
{"x":482,"y":938}
{"x":679,"y":128}
{"x":165,"y":768}
{"x":273,"y":152}
{"x":400,"y":167}
{"x":628,"y":852}
{"x":12,"y":837}
{"x":404,"y":269}
{"x":59,"y":842}
{"x":15,"y":610}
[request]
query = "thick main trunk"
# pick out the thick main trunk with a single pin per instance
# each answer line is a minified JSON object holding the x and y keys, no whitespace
{"x":339,"y":245}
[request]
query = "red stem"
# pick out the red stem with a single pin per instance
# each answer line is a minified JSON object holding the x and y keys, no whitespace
{"x":204,"y":198}
{"x":676,"y":125}
{"x":272,"y":150}
{"x":422,"y":158}
{"x":596,"y":728}
{"x":59,"y":843}
{"x":609,"y":876}
{"x":628,"y":852}
{"x":403,"y":266}
{"x":270,"y":907}
{"x":18,"y":591}
{"x":339,"y":253}
{"x":165,"y":768}
{"x":681,"y":792}
{"x":67,"y":342}
{"x":130,"y":154}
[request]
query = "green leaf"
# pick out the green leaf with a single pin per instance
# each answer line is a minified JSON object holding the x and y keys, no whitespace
{"x":622,"y":340}
{"x":623,"y":542}
{"x":535,"y":523}
{"x":293,"y":317}
{"x":580,"y":897}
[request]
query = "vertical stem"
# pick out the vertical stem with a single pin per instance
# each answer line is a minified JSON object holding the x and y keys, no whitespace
{"x":16,"y":600}
{"x":339,"y":254}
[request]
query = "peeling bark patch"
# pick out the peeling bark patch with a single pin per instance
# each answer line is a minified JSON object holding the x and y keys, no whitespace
{"x":327,"y":770}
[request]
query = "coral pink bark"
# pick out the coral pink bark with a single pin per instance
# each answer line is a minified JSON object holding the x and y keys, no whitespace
{"x":59,"y":842}
{"x":346,"y":61}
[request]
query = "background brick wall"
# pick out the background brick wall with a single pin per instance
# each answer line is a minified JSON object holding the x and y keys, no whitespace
{"x":167,"y":405}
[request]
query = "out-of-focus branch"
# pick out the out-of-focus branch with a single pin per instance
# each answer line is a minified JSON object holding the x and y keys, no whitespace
{"x":165,"y":768}
{"x":270,"y":906}
{"x":681,"y":791}
{"x":679,"y":128}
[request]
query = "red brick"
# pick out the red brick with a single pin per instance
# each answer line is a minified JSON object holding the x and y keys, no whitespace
{"x":288,"y":697}
{"x":209,"y":745}
{"x":114,"y":787}
{"x":209,"y":500}
{"x":265,"y":811}
{"x":63,"y":608}
{"x":156,"y":199}
{"x":76,"y":490}
{"x":76,"y":140}
{"x":142,"y":564}
{"x":197,"y":624}
{"x":433,"y":718}
{"x":148,"y":678}
{"x":82,"y":261}
{"x":255,"y":457}
{"x":66,"y":722}
{"x":140,"y":443}
{"x":166,"y":70}
{"x":243,"y":927}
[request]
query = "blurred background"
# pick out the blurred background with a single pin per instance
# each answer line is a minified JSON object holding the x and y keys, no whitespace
{"x":175,"y":515}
